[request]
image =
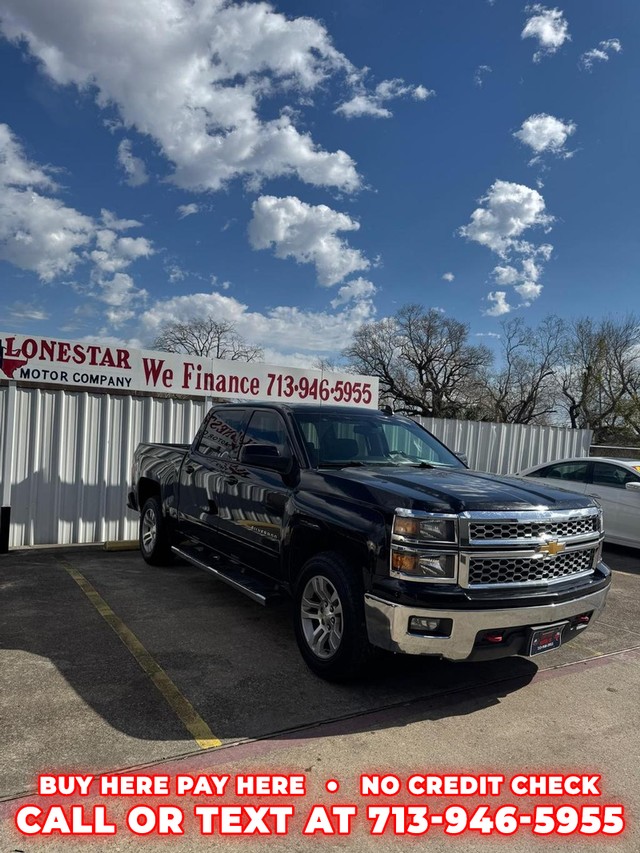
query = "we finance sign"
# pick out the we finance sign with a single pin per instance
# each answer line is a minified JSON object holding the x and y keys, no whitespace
{"x":96,"y":366}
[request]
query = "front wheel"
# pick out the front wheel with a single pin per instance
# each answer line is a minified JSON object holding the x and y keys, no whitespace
{"x":155,"y":544}
{"x":329,"y":618}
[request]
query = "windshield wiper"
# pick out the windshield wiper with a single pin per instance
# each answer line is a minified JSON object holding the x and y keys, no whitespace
{"x":348,"y":463}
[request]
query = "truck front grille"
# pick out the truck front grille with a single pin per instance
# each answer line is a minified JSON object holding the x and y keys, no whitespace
{"x":522,"y":570}
{"x":483,"y":531}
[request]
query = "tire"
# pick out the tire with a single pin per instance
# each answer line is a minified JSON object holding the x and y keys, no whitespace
{"x":155,"y":542}
{"x":330,"y":588}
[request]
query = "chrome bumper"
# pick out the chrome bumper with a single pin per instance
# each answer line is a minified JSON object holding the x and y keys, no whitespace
{"x":387,"y":623}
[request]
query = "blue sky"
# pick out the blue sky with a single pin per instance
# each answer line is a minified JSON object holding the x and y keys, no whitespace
{"x":301,"y":168}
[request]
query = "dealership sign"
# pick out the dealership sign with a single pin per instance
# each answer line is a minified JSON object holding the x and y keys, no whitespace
{"x":95,"y":366}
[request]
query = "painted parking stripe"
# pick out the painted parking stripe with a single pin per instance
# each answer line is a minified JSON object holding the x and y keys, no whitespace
{"x":178,"y":703}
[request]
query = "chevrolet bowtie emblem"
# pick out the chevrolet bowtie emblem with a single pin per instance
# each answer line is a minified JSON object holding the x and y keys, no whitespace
{"x":552,"y":548}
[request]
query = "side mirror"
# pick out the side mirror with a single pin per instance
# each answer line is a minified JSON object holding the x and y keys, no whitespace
{"x":633,"y":486}
{"x":265,"y":456}
{"x":462,"y":457}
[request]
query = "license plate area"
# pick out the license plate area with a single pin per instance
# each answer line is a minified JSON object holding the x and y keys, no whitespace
{"x":546,"y":638}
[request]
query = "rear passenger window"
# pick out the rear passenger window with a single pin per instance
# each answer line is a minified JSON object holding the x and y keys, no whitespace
{"x":223,"y":433}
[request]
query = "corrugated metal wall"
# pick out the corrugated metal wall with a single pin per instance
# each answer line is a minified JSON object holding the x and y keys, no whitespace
{"x":71,"y":457}
{"x":508,"y":448}
{"x":71,"y":453}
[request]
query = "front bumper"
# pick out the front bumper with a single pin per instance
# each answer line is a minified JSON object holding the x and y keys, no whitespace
{"x":388,"y":622}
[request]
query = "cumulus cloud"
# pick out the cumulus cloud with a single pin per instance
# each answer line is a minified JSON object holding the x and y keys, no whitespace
{"x":507,"y":211}
{"x":187,"y":210}
{"x":373,"y":103}
{"x":499,"y":304}
{"x":286,"y":328}
{"x":308,"y":233}
{"x":133,"y":167}
{"x":355,"y":290}
{"x":38,"y":232}
{"x":549,"y":27}
{"x":41,"y":234}
{"x":448,"y":276}
{"x":546,"y":134}
{"x":480,"y":74}
{"x":192,"y":76}
{"x":599,"y":54}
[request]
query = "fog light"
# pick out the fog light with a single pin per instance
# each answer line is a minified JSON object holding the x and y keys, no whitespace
{"x":423,"y":624}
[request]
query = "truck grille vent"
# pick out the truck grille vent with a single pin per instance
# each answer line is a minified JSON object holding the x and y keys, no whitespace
{"x":499,"y":570}
{"x":496,"y":530}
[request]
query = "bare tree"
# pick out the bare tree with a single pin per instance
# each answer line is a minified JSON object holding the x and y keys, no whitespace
{"x":524,"y":390}
{"x":423,"y":361}
{"x":600,"y":375}
{"x":208,"y":338}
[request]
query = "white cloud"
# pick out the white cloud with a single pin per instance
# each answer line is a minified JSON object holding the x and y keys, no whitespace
{"x":27,"y":311}
{"x":187,"y":210}
{"x":41,"y":234}
{"x":599,"y":54}
{"x":37,"y":232}
{"x":175,"y":273}
{"x":355,"y":290}
{"x":549,"y":27}
{"x":308,"y":233}
{"x":499,"y":302}
{"x":480,"y":73}
{"x":134,"y":168}
{"x":529,"y":291}
{"x":372,"y":103}
{"x":192,"y":77}
{"x":448,"y":276}
{"x":120,"y":295}
{"x":114,"y":253}
{"x":544,"y":133}
{"x":509,"y":210}
{"x":284,"y":328}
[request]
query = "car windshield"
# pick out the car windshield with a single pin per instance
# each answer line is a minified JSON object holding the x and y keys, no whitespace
{"x":334,"y":439}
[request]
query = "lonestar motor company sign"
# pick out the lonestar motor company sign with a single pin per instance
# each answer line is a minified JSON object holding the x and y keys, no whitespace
{"x":94,"y":366}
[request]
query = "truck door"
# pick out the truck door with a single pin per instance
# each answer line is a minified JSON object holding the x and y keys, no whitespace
{"x":253,"y":499}
{"x":204,"y":472}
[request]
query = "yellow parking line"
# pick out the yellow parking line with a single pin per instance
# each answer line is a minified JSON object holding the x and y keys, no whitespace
{"x":181,"y":706}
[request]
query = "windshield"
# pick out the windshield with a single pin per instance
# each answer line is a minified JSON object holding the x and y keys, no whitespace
{"x":337,"y":440}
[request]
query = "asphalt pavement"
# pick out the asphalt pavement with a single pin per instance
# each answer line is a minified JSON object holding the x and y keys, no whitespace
{"x":108,"y":664}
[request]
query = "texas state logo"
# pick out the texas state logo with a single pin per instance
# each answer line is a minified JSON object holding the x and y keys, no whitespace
{"x":9,"y":361}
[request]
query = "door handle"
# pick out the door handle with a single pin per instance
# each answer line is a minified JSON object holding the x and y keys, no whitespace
{"x":231,"y":481}
{"x":189,"y":469}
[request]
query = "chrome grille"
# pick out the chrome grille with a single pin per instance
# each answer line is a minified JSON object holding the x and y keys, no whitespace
{"x":480,"y":531}
{"x":515,"y":570}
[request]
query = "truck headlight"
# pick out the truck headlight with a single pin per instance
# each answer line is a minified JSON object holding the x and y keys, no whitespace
{"x":424,"y":528}
{"x":416,"y":538}
{"x":424,"y":566}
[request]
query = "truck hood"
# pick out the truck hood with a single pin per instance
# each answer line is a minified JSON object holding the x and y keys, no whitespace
{"x":457,"y":490}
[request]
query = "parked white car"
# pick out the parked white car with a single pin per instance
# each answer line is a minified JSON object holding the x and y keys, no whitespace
{"x":615,"y":483}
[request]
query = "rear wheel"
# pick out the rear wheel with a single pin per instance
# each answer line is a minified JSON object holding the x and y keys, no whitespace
{"x":329,"y":618}
{"x":155,"y":543}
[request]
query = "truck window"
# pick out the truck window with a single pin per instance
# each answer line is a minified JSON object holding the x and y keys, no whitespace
{"x":267,"y":427}
{"x":370,"y":439}
{"x":222,"y":433}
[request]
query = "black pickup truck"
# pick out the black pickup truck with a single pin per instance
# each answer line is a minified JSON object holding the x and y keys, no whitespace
{"x":381,"y":534}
